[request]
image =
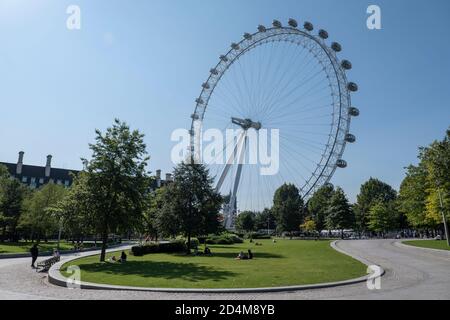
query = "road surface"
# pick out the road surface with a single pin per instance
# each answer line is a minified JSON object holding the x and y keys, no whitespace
{"x":411,"y":273}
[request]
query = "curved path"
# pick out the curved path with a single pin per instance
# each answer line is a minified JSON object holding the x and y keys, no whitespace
{"x":411,"y":273}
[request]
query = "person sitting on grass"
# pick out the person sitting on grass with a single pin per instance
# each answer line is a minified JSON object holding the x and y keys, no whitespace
{"x":207,"y":251}
{"x":250,"y":254}
{"x":113,"y":259}
{"x":242,"y":256}
{"x":123,"y":257}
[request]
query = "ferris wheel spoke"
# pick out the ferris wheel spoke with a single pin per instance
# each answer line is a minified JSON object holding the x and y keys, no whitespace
{"x":300,"y":141}
{"x":314,"y":142}
{"x":265,"y":81}
{"x":232,"y":101}
{"x":290,"y":158}
{"x":308,"y":147}
{"x":296,"y":100}
{"x":278,"y":73}
{"x":297,"y":121}
{"x":280,"y":78}
{"x":283,"y":88}
{"x":299,"y":111}
{"x":294,"y":149}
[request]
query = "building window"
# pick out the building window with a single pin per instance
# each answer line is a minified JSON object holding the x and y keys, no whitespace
{"x":24,"y":179}
{"x":59,"y":182}
{"x":67,"y":183}
{"x":33,"y":180}
{"x":41,"y":181}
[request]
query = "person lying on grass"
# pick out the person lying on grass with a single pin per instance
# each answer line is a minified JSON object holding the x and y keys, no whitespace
{"x":243,"y":256}
{"x":123,"y":258}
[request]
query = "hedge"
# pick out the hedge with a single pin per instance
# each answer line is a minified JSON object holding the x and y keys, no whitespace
{"x":169,"y":247}
{"x":224,"y":239}
{"x":257,"y":235}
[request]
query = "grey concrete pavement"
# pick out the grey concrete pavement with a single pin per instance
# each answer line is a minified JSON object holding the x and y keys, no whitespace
{"x":411,"y":273}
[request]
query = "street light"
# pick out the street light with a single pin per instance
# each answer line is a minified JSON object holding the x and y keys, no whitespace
{"x":441,"y":203}
{"x":59,"y":233}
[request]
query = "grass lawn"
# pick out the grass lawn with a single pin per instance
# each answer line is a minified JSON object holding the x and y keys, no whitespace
{"x":287,"y":262}
{"x":24,"y":247}
{"x":433,"y":244}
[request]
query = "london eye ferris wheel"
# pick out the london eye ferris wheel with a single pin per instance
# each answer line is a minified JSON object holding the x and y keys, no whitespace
{"x":282,"y":78}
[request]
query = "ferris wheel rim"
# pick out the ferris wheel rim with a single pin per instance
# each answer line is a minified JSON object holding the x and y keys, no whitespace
{"x":323,"y":173}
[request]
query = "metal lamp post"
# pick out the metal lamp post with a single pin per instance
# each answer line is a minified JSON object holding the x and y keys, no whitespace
{"x":444,"y":220}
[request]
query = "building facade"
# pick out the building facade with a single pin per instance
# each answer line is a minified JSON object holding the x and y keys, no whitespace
{"x":158,"y":182}
{"x":37,"y":176}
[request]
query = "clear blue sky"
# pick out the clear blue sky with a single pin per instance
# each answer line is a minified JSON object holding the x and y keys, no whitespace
{"x":144,"y":61}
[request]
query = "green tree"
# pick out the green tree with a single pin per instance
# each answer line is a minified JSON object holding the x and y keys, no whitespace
{"x":436,"y":159}
{"x":309,"y":225}
{"x":246,"y":221}
{"x":38,"y":217}
{"x":288,"y":208}
{"x":117,"y":181}
{"x":383,"y":217}
{"x":74,"y":211}
{"x":191,"y":205}
{"x":12,"y":197}
{"x":412,"y":196}
{"x":427,"y":186}
{"x":340,"y":215}
{"x":154,"y":207}
{"x":318,"y":206}
{"x":372,"y":192}
{"x":265,"y":220}
{"x":4,"y":173}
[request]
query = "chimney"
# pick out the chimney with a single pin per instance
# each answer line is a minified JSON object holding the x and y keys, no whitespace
{"x":20,"y":163}
{"x":168,"y":177}
{"x":158,"y":178}
{"x":48,"y":166}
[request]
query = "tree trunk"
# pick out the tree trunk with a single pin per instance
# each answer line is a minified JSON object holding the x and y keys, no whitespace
{"x":104,"y":244}
{"x":189,"y":243}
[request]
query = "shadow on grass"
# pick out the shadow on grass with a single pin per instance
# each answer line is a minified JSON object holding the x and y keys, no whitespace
{"x":166,"y":270}
{"x":233,"y":255}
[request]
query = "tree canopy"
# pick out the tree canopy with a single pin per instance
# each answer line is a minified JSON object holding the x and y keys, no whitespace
{"x":191,"y":204}
{"x":318,"y":206}
{"x":116,"y":182}
{"x":372,"y":192}
{"x":288,"y":208}
{"x":340,"y":215}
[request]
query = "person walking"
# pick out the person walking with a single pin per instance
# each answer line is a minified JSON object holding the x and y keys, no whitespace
{"x":34,"y":255}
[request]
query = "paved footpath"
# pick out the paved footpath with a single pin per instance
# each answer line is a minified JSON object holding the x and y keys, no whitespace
{"x":411,"y":273}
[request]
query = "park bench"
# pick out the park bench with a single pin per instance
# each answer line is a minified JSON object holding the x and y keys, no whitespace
{"x":45,"y":265}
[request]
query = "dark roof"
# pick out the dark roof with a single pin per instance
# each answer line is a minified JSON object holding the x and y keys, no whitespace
{"x":38,"y":172}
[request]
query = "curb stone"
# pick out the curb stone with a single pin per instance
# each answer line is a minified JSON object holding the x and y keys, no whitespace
{"x":56,"y":278}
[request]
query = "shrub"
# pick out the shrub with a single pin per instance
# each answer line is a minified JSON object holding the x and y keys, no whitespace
{"x":170,"y":247}
{"x":225,"y":239}
{"x":257,"y":235}
{"x":236,"y":239}
{"x":194,"y":243}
